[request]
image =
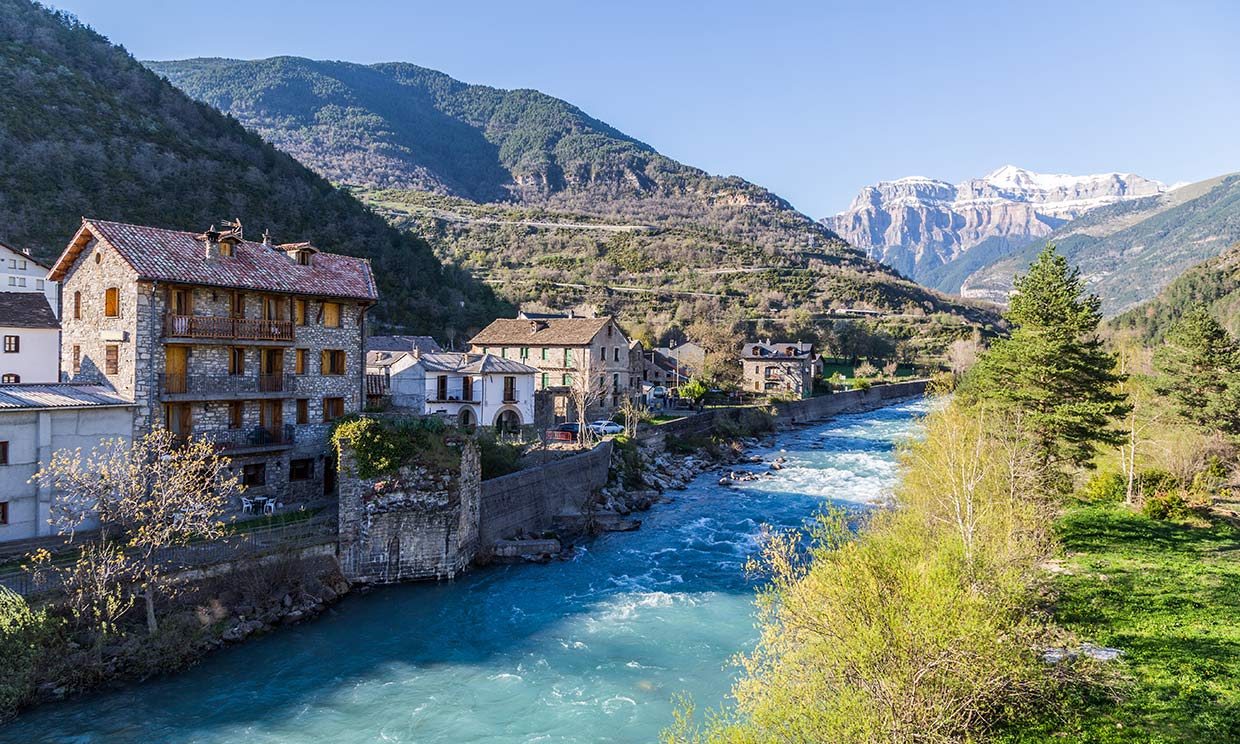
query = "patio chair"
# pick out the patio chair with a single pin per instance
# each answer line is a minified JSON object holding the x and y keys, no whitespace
{"x":270,"y":506}
{"x":247,"y":505}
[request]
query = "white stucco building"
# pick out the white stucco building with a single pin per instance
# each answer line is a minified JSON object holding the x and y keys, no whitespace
{"x":20,"y":272}
{"x":29,"y":339}
{"x":475,"y":389}
{"x":37,"y":420}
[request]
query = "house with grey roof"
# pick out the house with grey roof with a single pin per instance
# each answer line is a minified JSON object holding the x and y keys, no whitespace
{"x":22,"y":272}
{"x":471,"y":389}
{"x":36,"y":420}
{"x":31,"y":339}
{"x":780,"y":368}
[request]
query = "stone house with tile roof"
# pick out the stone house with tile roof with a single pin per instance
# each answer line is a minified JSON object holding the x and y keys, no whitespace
{"x":31,"y":339}
{"x":255,"y":345}
{"x":780,"y":368}
{"x":563,"y":348}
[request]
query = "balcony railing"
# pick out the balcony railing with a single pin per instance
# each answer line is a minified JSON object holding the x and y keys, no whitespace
{"x":184,"y":384}
{"x":258,"y":436}
{"x":227,"y":329}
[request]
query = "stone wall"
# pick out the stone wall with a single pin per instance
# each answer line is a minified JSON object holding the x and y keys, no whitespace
{"x":531,"y":500}
{"x":418,"y":524}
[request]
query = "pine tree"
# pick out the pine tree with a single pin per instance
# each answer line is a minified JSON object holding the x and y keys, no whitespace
{"x":1052,"y":373}
{"x":1200,"y":367}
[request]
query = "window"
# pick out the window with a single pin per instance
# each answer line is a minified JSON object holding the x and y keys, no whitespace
{"x":299,"y":361}
{"x":38,"y":284}
{"x":467,"y":388}
{"x":254,"y":474}
{"x":112,"y":302}
{"x":21,"y":281}
{"x":12,"y":281}
{"x":441,"y":387}
{"x":236,"y":304}
{"x":303,"y":410}
{"x":4,"y":453}
{"x":300,"y":470}
{"x":77,"y":359}
{"x":510,"y":389}
{"x":332,"y":362}
{"x":77,"y":305}
{"x":299,"y":312}
{"x":226,"y":249}
{"x":236,"y":409}
{"x":4,"y":512}
{"x":546,"y":380}
{"x":566,"y":380}
{"x":10,"y":379}
{"x":602,"y":354}
{"x":303,"y":258}
{"x":333,"y":408}
{"x":98,"y":257}
{"x":568,"y":358}
{"x":617,"y":354}
{"x":331,"y":314}
{"x":12,"y":344}
{"x":12,"y":263}
{"x":503,"y":352}
{"x":236,"y":361}
{"x":525,"y":352}
{"x":111,"y":359}
{"x":544,"y":353}
{"x":486,"y":349}
{"x":22,"y":265}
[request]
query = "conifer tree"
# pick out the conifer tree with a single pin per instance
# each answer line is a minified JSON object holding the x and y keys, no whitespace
{"x":1200,"y":368}
{"x":1052,"y":373}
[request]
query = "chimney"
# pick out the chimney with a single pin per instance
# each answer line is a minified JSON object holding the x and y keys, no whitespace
{"x":570,"y":313}
{"x":267,"y":238}
{"x":212,"y":239}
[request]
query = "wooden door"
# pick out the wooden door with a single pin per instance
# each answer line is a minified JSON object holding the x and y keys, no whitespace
{"x":271,"y":415}
{"x":271,"y":375}
{"x":178,"y":419}
{"x":175,"y":366}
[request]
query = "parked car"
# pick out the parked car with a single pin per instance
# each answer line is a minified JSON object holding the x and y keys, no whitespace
{"x":605,"y":427}
{"x":570,"y":428}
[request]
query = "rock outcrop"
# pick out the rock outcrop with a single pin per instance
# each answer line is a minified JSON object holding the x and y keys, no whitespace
{"x":922,"y":226}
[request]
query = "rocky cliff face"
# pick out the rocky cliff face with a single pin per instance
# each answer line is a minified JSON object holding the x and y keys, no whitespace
{"x":922,"y":226}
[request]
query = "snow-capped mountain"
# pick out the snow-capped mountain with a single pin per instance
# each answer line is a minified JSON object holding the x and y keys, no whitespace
{"x":937,"y":232}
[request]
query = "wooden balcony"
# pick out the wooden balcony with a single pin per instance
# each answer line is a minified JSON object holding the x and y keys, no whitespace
{"x":213,"y":328}
{"x":254,"y":438}
{"x":174,"y":387}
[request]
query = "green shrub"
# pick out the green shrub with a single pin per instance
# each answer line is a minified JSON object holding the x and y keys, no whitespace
{"x":497,"y":458}
{"x":861,"y":384}
{"x":1166,"y":505}
{"x":25,"y":635}
{"x":1105,"y":487}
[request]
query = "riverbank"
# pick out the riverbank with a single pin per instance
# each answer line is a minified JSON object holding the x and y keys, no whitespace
{"x":591,"y":649}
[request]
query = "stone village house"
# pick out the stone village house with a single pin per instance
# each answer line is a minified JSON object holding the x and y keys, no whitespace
{"x":257,"y":346}
{"x":472,"y":389}
{"x":561,"y":349}
{"x":786,"y":367}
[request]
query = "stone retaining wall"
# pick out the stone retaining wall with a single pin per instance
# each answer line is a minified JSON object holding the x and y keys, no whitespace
{"x":530,"y":500}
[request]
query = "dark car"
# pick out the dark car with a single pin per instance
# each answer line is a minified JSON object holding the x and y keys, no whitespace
{"x":570,"y":428}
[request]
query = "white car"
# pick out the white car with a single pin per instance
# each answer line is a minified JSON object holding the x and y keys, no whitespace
{"x":605,"y":427}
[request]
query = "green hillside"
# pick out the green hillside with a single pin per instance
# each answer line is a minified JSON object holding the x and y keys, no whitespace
{"x":87,"y":130}
{"x":1132,"y":249}
{"x":491,"y":177}
{"x":1214,"y":283}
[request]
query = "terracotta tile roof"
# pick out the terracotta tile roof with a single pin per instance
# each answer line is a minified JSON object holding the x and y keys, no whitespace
{"x":542,"y":332}
{"x":176,"y":256}
{"x":58,"y":395}
{"x":26,"y":310}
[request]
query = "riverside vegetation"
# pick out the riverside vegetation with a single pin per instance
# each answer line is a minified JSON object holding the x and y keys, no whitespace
{"x":1056,"y":501}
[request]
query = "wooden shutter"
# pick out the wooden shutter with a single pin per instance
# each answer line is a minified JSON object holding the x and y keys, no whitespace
{"x":323,"y":361}
{"x":111,"y":302}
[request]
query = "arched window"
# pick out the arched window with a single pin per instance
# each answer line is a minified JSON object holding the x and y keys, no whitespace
{"x":112,"y":302}
{"x":77,"y":305}
{"x":10,"y":379}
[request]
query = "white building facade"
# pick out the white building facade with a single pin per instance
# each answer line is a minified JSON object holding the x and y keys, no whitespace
{"x":20,"y":272}
{"x":29,"y":339}
{"x":36,"y":421}
{"x":473,"y":389}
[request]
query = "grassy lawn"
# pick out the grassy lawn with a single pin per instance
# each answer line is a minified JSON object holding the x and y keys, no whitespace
{"x":1168,"y":594}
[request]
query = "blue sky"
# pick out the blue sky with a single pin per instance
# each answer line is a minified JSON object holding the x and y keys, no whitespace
{"x":810,"y":99}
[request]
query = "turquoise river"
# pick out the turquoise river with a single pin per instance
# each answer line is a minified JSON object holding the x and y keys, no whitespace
{"x":589,"y":649}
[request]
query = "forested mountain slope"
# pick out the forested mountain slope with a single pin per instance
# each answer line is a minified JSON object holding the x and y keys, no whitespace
{"x":87,"y":130}
{"x":1214,"y":283}
{"x":490,"y":176}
